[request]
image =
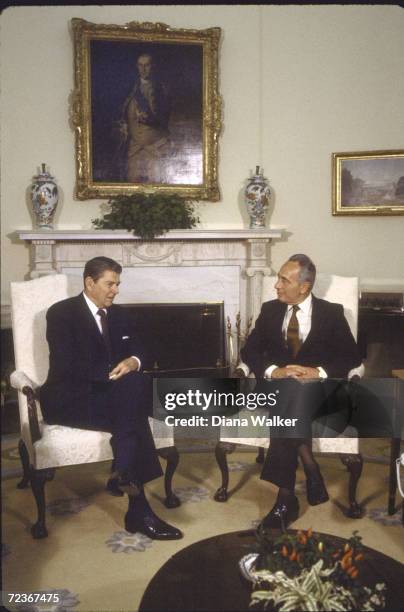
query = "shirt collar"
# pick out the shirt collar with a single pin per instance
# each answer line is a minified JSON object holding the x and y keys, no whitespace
{"x":304,"y":306}
{"x":93,"y":307}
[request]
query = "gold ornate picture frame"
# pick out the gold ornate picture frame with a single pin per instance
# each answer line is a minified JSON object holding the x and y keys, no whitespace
{"x":146,"y":110}
{"x":368,"y":183}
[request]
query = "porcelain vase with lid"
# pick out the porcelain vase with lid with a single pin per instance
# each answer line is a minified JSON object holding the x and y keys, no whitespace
{"x":44,"y":197}
{"x":257,"y":196}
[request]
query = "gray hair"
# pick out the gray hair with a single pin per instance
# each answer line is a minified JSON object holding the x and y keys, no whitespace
{"x":307,"y":272}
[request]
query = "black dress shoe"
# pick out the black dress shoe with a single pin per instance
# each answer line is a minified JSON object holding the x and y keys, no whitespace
{"x":282,"y":514}
{"x":151,"y":526}
{"x":316,"y":491}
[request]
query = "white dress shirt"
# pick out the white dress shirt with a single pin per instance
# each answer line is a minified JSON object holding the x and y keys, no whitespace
{"x":94,"y":311}
{"x":304,"y":319}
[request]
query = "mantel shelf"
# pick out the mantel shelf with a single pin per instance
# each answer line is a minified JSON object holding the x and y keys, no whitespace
{"x":119,"y":235}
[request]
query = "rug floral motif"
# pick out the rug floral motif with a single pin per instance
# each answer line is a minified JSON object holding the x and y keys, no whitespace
{"x":128,"y":543}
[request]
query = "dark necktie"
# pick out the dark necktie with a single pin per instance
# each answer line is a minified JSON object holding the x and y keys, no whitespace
{"x":105,"y":330}
{"x":292,"y":333}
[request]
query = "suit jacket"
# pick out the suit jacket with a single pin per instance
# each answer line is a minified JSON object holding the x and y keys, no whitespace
{"x":78,"y":359}
{"x":330,"y":343}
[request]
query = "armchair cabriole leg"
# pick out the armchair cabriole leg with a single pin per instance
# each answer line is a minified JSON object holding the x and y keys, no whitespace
{"x":38,"y":479}
{"x":354,"y":465}
{"x":171,"y":455}
{"x":221,"y":451}
{"x":22,"y":450}
{"x":394,"y":454}
{"x":260,"y":455}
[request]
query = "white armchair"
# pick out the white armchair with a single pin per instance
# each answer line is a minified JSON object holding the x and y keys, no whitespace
{"x":45,"y":447}
{"x":343,"y":290}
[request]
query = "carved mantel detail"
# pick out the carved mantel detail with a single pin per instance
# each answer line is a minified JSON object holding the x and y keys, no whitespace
{"x":152,"y":253}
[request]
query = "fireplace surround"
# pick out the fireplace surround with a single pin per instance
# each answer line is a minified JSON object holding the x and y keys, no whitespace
{"x":181,"y":266}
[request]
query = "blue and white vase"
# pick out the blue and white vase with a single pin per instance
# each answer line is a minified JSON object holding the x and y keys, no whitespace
{"x":44,"y":197}
{"x":257,"y":197}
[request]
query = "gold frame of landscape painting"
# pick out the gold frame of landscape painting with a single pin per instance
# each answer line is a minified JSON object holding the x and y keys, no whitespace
{"x":368,"y":183}
{"x":146,"y":110}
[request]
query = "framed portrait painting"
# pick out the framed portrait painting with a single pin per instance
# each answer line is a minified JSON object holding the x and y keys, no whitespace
{"x":368,"y":183}
{"x":146,"y":110}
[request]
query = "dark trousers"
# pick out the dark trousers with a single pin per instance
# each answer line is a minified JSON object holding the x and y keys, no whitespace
{"x":306,"y":402}
{"x":120,"y":407}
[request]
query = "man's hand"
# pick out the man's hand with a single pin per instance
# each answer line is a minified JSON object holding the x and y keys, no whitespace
{"x":296,"y":371}
{"x":124,"y":367}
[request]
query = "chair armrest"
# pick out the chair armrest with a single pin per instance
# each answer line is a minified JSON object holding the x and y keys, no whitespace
{"x":356,"y":373}
{"x":242,"y":370}
{"x":20,"y":381}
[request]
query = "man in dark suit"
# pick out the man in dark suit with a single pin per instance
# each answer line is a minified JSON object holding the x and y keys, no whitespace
{"x":298,"y":340}
{"x":94,"y":382}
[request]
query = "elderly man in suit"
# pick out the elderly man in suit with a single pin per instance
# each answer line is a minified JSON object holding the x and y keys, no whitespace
{"x":297,"y":339}
{"x":95,"y":382}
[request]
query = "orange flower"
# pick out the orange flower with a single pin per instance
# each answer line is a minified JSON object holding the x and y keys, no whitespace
{"x":346,"y":560}
{"x":352,"y":571}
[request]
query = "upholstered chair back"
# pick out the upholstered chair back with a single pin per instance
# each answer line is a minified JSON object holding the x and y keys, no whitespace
{"x":29,"y":303}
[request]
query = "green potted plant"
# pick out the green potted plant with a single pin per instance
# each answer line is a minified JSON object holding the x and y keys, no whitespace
{"x":148,"y":215}
{"x":302,"y":571}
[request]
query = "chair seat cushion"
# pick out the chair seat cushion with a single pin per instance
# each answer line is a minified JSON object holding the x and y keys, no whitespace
{"x":322,"y":445}
{"x":60,"y":445}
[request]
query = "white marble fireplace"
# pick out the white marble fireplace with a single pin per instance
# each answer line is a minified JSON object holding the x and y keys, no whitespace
{"x":181,"y":266}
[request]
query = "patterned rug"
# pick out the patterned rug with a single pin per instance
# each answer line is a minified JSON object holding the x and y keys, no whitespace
{"x":90,"y":563}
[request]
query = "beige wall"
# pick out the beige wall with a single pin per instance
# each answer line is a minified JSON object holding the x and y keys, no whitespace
{"x":297,"y":82}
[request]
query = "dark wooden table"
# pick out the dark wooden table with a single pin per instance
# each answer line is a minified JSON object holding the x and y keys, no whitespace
{"x":206,"y":576}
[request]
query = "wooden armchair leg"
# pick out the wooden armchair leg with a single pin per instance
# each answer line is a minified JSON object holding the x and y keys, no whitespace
{"x":394,"y":454}
{"x":38,"y":479}
{"x":22,"y":450}
{"x":221,"y":451}
{"x":171,"y":455}
{"x":260,"y":458}
{"x":354,"y":465}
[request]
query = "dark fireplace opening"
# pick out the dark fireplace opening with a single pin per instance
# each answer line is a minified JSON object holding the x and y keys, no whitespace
{"x":181,"y":339}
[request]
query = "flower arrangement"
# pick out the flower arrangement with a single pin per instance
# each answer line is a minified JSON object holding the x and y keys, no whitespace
{"x":148,"y":214}
{"x":305,"y":571}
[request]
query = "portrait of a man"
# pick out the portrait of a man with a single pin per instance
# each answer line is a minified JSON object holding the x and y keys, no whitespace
{"x":146,"y":114}
{"x":146,"y":102}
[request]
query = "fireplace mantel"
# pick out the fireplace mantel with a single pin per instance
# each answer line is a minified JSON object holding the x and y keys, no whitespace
{"x":123,"y":235}
{"x":206,"y":264}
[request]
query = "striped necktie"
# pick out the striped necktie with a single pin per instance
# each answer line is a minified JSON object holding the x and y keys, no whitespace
{"x":292,"y":333}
